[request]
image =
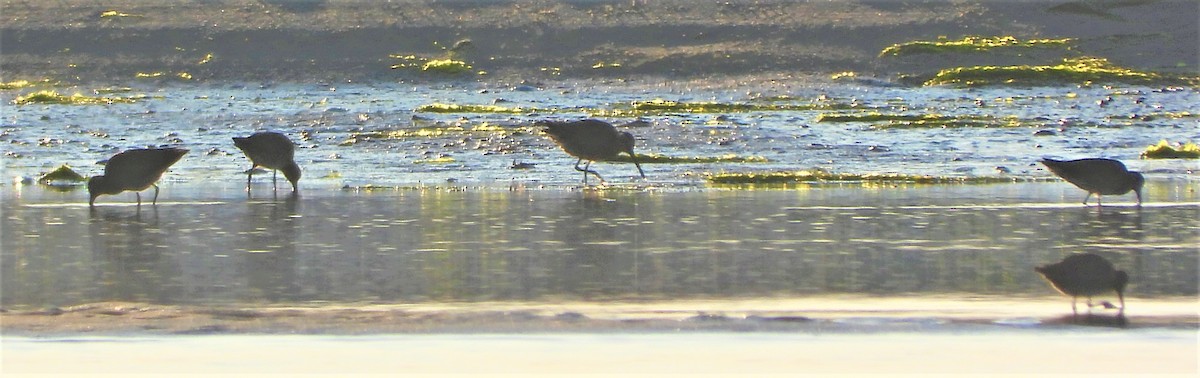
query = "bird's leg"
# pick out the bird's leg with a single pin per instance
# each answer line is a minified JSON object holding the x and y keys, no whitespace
{"x":139,"y":199}
{"x":1085,"y":198}
{"x":249,"y":174}
{"x":155,"y":200}
{"x":586,"y":169}
{"x":1074,"y":312}
{"x":274,"y":179}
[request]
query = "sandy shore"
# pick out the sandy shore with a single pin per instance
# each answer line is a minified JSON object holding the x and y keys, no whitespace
{"x":337,"y":41}
{"x":710,"y":354}
{"x":824,"y":314}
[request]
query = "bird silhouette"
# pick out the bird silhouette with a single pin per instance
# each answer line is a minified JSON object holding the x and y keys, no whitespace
{"x":273,"y":151}
{"x":134,"y":170}
{"x":591,"y":140}
{"x":1098,"y":176}
{"x":1085,"y":274}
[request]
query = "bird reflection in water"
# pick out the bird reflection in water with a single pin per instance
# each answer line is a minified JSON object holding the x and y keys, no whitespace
{"x":1086,"y":275}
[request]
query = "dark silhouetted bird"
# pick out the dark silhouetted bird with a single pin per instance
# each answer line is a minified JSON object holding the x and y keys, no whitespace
{"x":1098,"y":176}
{"x":591,"y":140}
{"x":1085,"y":274}
{"x":134,"y":170}
{"x":273,"y":151}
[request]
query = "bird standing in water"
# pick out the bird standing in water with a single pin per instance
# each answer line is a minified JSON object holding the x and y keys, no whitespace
{"x":1085,"y":274}
{"x":273,"y":151}
{"x":134,"y":170}
{"x":1098,"y":176}
{"x":591,"y":140}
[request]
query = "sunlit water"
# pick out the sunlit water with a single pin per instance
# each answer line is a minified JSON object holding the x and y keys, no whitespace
{"x":354,"y":134}
{"x":446,"y":219}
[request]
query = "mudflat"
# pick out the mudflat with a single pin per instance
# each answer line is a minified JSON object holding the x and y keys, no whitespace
{"x":337,"y":41}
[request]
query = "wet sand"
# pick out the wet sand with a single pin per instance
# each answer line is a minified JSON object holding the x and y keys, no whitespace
{"x":709,"y":42}
{"x":826,"y":335}
{"x":817,"y":314}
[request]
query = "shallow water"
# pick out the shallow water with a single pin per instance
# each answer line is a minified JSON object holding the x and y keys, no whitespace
{"x":358,"y":134}
{"x":213,"y":245}
{"x":454,"y":248}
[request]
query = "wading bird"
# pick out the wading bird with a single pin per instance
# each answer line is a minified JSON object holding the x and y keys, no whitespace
{"x":273,"y":151}
{"x":591,"y":140}
{"x":134,"y":170}
{"x":1098,"y":176}
{"x":1085,"y":274}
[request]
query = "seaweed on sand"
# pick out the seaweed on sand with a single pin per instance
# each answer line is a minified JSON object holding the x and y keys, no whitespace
{"x":882,"y":121}
{"x":970,"y":44}
{"x":1165,"y":150}
{"x":63,"y":175}
{"x":822,"y":176}
{"x":664,"y":159}
{"x":53,"y":97}
{"x":1071,"y":70}
{"x":455,"y":108}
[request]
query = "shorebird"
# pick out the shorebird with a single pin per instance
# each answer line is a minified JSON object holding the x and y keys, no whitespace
{"x":1098,"y":176}
{"x":134,"y":170}
{"x":591,"y":140}
{"x":273,"y":151}
{"x":1085,"y":274}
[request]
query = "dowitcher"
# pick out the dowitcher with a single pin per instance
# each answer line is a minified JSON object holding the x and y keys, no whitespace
{"x":134,"y":170}
{"x":591,"y":140}
{"x":273,"y":151}
{"x":1098,"y":176}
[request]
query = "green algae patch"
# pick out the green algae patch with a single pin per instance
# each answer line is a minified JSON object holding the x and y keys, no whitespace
{"x":485,"y":129}
{"x":436,"y":160}
{"x":53,"y":97}
{"x":1165,"y":150}
{"x":1084,"y":70}
{"x":883,"y":120}
{"x":182,"y":75}
{"x":63,"y":175}
{"x":455,"y":108}
{"x":665,"y":106}
{"x":21,"y":84}
{"x":113,"y":14}
{"x":446,"y":66}
{"x":971,"y":44}
{"x":821,"y":176}
{"x":664,"y":159}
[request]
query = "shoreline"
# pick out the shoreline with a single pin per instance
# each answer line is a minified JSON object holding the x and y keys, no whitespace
{"x":822,"y":314}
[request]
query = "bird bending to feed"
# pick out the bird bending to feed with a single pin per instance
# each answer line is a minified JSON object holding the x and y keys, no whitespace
{"x":273,"y":151}
{"x":591,"y":140}
{"x":134,"y":170}
{"x":1098,"y":176}
{"x":1085,"y":274}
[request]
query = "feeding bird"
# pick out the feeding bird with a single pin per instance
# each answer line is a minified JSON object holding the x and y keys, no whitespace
{"x":273,"y":151}
{"x":591,"y":140}
{"x":1085,"y":274}
{"x":1098,"y":176}
{"x":134,"y":170}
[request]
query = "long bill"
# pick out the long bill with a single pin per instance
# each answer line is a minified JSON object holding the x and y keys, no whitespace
{"x":633,"y":158}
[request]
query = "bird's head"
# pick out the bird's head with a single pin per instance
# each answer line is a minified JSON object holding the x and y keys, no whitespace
{"x":96,"y":187}
{"x":1120,"y":281}
{"x":292,"y":173}
{"x":1138,"y":182}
